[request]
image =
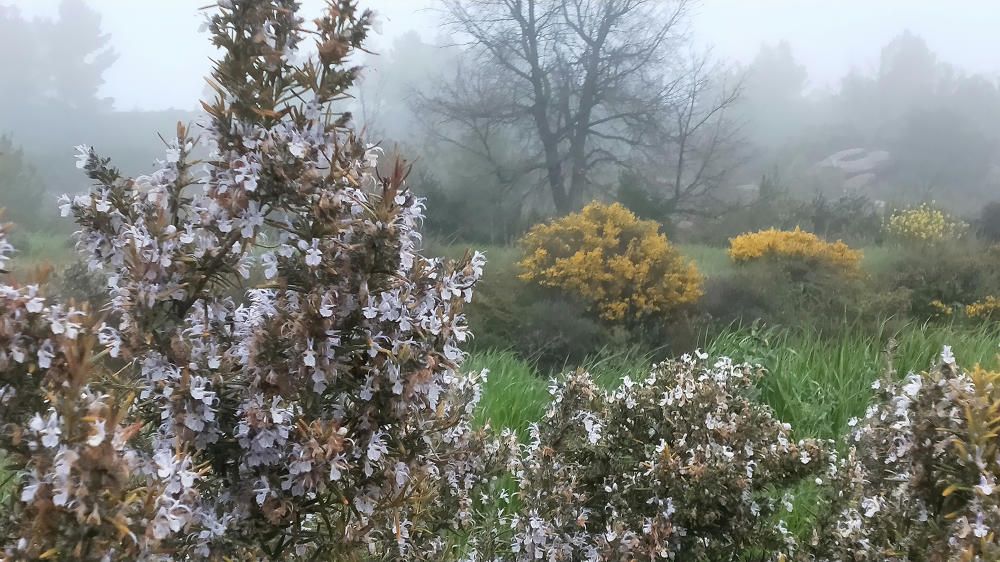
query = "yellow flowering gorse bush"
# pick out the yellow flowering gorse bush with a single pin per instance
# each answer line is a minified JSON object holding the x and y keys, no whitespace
{"x":986,"y":308}
{"x":622,"y":267}
{"x":923,"y":224}
{"x":940,"y":308}
{"x":795,"y":246}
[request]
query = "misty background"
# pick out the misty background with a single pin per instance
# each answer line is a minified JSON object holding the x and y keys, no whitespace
{"x":764,"y":113}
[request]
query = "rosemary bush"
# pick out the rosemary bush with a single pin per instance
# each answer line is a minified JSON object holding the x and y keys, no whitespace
{"x":320,"y":413}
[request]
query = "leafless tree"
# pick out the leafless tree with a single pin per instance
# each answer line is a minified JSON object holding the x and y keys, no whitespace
{"x":585,"y":80}
{"x":697,"y":145}
{"x":472,"y":115}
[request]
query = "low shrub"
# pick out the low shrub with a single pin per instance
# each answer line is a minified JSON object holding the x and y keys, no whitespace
{"x":958,"y":273}
{"x":683,"y":464}
{"x":749,"y":294}
{"x":798,"y":251}
{"x":22,"y":192}
{"x":766,"y":293}
{"x":509,"y":314}
{"x":784,"y":277}
{"x":78,"y":283}
{"x":621,"y":267}
{"x":923,"y":225}
{"x":918,"y":482}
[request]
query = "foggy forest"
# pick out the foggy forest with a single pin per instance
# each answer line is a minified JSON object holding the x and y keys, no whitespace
{"x":500,"y":280}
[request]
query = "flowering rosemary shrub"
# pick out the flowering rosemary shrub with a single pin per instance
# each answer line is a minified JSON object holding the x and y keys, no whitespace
{"x":918,"y":481}
{"x":622,"y":267}
{"x":796,"y":250}
{"x":923,"y":224}
{"x":319,"y":414}
{"x":682,"y":465}
{"x":62,"y":437}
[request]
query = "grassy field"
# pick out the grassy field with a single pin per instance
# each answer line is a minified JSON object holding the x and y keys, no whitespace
{"x":516,"y":392}
{"x":817,"y":382}
{"x":814,"y":382}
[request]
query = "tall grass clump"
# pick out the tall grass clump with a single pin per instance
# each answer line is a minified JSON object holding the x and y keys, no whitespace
{"x":819,"y":380}
{"x":514,"y":395}
{"x":516,"y":392}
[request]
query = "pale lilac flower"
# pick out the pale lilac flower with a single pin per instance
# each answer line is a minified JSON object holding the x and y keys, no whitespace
{"x":313,"y":255}
{"x":82,"y":155}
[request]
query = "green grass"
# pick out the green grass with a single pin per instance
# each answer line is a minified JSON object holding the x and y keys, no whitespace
{"x":878,"y":259}
{"x":516,"y":391}
{"x":817,"y":382}
{"x":503,"y":256}
{"x":515,"y":394}
{"x":7,"y":481}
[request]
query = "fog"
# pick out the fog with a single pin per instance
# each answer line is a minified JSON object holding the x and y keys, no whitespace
{"x":162,"y":54}
{"x":896,"y":101}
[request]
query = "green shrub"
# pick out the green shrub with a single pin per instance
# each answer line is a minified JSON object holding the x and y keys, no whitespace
{"x":22,"y":192}
{"x":79,"y":284}
{"x":508,"y":314}
{"x":849,"y":217}
{"x":955,"y":274}
{"x":755,"y":292}
{"x":767,"y":292}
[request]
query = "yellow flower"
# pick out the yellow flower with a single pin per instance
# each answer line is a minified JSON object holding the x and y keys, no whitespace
{"x":621,"y":266}
{"x":797,"y":246}
{"x":923,"y":224}
{"x":940,"y":308}
{"x":986,"y":308}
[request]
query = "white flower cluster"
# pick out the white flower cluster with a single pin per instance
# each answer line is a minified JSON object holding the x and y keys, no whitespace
{"x":918,"y":481}
{"x":670,"y":467}
{"x":62,"y":434}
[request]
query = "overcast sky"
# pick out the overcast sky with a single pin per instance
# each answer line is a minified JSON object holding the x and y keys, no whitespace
{"x":162,"y":55}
